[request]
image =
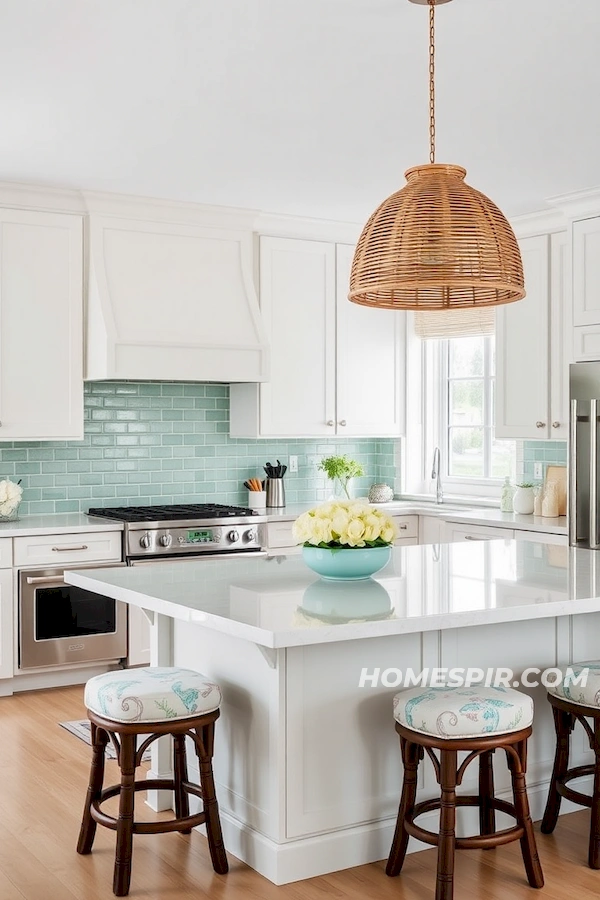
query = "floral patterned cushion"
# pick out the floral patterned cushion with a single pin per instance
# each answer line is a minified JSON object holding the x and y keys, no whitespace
{"x":587,"y":694}
{"x":152,"y":694}
{"x":463,"y":712}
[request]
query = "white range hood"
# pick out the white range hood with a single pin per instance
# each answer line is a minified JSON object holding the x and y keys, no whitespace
{"x":171,"y":295}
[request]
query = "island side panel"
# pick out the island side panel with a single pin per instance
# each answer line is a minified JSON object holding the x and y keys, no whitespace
{"x":585,"y":646}
{"x":343,"y":760}
{"x":249,"y":762}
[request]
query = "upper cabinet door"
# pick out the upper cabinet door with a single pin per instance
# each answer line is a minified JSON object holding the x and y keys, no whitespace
{"x":370,"y":363}
{"x":522,"y":350}
{"x":586,"y":272}
{"x":297,"y":294}
{"x":41,"y":337}
{"x":561,"y":336}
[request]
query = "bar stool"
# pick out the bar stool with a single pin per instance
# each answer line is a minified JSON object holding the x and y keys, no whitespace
{"x":576,"y":703}
{"x":478,"y":720}
{"x":152,"y":702}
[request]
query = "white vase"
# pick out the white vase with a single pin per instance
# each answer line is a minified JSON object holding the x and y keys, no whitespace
{"x":523,"y":501}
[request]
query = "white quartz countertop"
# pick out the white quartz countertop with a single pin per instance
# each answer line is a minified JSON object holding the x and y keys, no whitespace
{"x":58,"y":523}
{"x":450,"y":512}
{"x":279,"y":602}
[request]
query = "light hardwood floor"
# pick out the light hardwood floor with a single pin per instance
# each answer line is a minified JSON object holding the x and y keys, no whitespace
{"x":43,"y":775}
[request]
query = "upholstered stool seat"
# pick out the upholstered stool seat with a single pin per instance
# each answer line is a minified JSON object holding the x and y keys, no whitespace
{"x":576,"y":702}
{"x":152,"y":694}
{"x":477,"y":720}
{"x":147,"y":704}
{"x":463,"y":712}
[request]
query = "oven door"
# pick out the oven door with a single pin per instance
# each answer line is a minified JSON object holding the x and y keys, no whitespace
{"x":60,"y":624}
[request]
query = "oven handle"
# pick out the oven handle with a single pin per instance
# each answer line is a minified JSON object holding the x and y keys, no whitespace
{"x":156,"y":560}
{"x":58,"y":579}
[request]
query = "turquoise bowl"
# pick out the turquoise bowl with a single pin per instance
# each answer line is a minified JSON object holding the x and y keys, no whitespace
{"x":346,"y":564}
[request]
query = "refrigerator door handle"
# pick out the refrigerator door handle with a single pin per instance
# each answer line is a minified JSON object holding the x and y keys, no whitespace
{"x":594,"y":542}
{"x":573,"y":476}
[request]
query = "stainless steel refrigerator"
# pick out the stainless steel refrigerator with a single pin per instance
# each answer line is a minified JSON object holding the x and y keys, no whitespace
{"x":584,"y":513}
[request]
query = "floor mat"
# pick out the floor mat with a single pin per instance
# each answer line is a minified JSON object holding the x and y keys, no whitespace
{"x":82,"y":730}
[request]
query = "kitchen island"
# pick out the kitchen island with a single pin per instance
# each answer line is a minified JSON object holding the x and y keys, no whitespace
{"x":307,"y":762}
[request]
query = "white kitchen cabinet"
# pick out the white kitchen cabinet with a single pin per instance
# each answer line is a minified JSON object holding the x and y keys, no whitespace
{"x":408,"y":530}
{"x":6,"y":609}
{"x":138,"y":637}
{"x":586,"y":272}
{"x":534,"y":346}
{"x":543,"y":537}
{"x":453,"y":531}
{"x":430,"y":530}
{"x":336,"y":368}
{"x":41,"y":338}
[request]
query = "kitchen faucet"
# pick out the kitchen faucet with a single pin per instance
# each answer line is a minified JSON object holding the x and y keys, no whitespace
{"x":435,"y":474}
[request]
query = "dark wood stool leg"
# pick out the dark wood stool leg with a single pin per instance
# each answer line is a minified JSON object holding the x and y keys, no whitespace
{"x":122,"y":873}
{"x":87,"y":832}
{"x":182,"y":805}
{"x":204,"y":750}
{"x":411,"y":754}
{"x":517,"y":763}
{"x":563,"y":725}
{"x":444,"y":886}
{"x":487,"y":814}
{"x":594,"y":848}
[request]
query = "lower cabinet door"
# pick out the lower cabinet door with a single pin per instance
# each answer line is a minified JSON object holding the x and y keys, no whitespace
{"x":6,"y":623}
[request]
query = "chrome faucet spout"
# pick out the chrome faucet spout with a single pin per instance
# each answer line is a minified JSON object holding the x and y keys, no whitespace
{"x":436,"y":476}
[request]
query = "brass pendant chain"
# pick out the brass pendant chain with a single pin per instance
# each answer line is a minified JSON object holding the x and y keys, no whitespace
{"x":432,"y":81}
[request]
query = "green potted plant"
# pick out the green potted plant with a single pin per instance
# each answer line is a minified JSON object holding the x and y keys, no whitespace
{"x":340,"y":469}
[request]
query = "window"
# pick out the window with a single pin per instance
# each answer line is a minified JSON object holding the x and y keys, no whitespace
{"x":466,"y":411}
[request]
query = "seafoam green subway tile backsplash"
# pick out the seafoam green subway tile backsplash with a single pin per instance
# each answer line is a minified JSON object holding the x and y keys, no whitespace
{"x":168,"y":442}
{"x":549,"y":453}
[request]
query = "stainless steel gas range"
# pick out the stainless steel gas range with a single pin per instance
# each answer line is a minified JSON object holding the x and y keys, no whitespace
{"x":186,"y":531}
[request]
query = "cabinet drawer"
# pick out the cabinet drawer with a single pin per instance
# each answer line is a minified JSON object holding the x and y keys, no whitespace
{"x":58,"y":549}
{"x":477,"y":533}
{"x":6,"y":553}
{"x":279,"y":534}
{"x":406,"y":542}
{"x":408,"y":526}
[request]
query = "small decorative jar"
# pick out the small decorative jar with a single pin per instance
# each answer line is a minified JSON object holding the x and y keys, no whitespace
{"x":523,"y":500}
{"x":550,"y":501}
{"x":380,"y":493}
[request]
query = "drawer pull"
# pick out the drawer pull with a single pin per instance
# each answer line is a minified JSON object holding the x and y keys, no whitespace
{"x":403,"y":527}
{"x":471,"y":537}
{"x":67,"y":549}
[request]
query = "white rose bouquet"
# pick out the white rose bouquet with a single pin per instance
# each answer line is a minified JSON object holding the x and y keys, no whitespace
{"x":10,"y":497}
{"x":344,"y":523}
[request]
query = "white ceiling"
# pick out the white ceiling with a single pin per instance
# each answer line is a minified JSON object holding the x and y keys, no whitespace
{"x":312,"y":107}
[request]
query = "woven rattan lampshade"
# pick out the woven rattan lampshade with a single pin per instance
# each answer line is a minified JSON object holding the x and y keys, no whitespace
{"x":437,"y":244}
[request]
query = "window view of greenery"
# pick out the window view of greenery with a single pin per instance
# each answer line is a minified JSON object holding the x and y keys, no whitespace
{"x":473,"y":452}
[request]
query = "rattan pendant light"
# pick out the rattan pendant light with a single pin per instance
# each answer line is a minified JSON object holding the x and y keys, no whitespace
{"x":437,"y":243}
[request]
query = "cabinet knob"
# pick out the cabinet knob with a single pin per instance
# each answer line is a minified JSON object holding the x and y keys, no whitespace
{"x":556,"y":424}
{"x":540,"y":424}
{"x":330,"y":422}
{"x":342,"y":422}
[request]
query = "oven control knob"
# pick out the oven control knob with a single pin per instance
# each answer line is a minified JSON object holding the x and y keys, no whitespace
{"x":249,"y":535}
{"x":233,"y":536}
{"x":165,"y":540}
{"x":145,"y":540}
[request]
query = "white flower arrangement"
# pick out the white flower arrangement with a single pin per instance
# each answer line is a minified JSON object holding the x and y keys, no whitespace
{"x":10,"y":497}
{"x":344,"y":523}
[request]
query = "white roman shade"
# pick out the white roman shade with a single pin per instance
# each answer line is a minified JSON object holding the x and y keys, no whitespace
{"x":453,"y":323}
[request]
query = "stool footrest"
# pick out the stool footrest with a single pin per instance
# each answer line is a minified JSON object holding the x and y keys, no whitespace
{"x":570,"y":793}
{"x":475,"y":842}
{"x":165,"y":784}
